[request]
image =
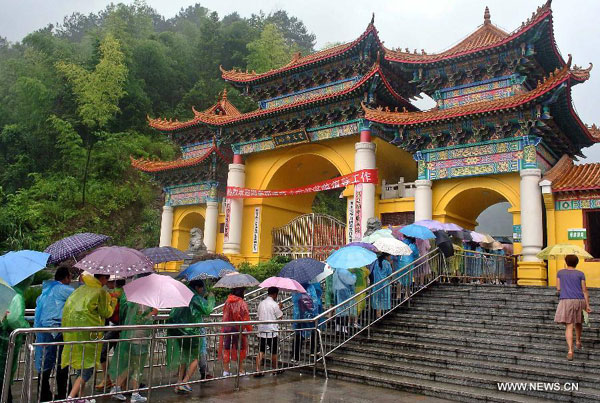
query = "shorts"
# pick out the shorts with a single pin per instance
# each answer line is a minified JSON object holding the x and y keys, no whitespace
{"x":85,"y":374}
{"x":271,"y":342}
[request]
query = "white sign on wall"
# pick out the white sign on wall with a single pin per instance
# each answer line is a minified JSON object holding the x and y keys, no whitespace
{"x":256,"y":230}
{"x":350,"y":213}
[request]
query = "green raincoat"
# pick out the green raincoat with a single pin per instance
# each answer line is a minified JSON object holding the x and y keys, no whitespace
{"x":131,"y":356}
{"x":184,"y":351}
{"x":14,"y":320}
{"x":89,"y":305}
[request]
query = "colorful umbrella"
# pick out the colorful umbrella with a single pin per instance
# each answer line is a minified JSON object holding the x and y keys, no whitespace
{"x":236,"y":280}
{"x":283,"y":283}
{"x":164,"y":254}
{"x":392,"y":246}
{"x":417,"y":231}
{"x":204,"y":269}
{"x":158,"y":291}
{"x":17,"y":266}
{"x":350,"y":257}
{"x":380,"y":233}
{"x":431,"y":224}
{"x":6,"y":296}
{"x":363,"y":245}
{"x":118,"y":260}
{"x":302,"y":270}
{"x":448,"y":226}
{"x":74,"y":245}
{"x":561,"y":250}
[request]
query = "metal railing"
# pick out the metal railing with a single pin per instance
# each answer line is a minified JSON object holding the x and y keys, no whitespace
{"x":151,"y":351}
{"x":479,"y":267}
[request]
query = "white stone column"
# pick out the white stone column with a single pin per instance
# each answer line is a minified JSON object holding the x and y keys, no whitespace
{"x":210,"y":225}
{"x":423,"y":200}
{"x":166,"y":226}
{"x":233,"y":217}
{"x":532,"y":231}
{"x":364,"y":193}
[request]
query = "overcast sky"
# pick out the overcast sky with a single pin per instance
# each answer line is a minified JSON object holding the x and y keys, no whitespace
{"x":433,"y":25}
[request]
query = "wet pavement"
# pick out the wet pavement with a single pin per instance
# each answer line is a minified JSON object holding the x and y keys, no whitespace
{"x":290,"y":387}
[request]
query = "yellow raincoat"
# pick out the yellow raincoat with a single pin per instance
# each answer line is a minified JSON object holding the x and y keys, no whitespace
{"x":89,"y":305}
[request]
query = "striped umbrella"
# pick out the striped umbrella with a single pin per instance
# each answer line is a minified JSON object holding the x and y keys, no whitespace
{"x":164,"y":254}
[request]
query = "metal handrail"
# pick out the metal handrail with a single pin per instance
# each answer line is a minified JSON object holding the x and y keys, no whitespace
{"x":322,"y":328}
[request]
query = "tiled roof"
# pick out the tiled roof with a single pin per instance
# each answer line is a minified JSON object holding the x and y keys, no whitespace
{"x":218,"y":120}
{"x":150,"y":166}
{"x":566,"y":176}
{"x":222,"y":108}
{"x":298,"y":60}
{"x":485,"y":37}
{"x":412,"y":118}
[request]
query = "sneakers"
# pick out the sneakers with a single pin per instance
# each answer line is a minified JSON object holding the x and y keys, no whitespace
{"x":117,"y":394}
{"x":77,"y":400}
{"x":136,"y":397}
{"x":226,"y":373}
{"x":180,"y":389}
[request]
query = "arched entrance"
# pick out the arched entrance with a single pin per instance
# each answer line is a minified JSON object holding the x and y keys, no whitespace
{"x":186,"y":219}
{"x":296,"y":167}
{"x":463,"y":201}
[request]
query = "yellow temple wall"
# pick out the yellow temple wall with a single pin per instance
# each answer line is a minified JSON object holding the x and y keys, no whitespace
{"x":558,"y":224}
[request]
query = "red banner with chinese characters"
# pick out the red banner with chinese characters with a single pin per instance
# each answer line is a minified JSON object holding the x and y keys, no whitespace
{"x":362,"y":176}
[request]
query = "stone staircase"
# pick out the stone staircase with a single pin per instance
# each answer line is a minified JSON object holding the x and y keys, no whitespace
{"x":458,"y":342}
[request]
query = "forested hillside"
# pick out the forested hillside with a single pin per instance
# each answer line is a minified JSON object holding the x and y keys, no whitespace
{"x":73,"y":105}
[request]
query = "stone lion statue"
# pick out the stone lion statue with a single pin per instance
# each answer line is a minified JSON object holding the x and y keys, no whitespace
{"x":373,"y":224}
{"x":196,"y":242}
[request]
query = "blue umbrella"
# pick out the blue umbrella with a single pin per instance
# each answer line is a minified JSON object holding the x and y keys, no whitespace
{"x":302,"y":270}
{"x":350,"y":257}
{"x":74,"y":245}
{"x":213,"y":268}
{"x":17,"y":266}
{"x":417,"y":231}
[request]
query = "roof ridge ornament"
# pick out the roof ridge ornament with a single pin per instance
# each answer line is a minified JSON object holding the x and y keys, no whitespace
{"x":486,"y":16}
{"x":372,"y":19}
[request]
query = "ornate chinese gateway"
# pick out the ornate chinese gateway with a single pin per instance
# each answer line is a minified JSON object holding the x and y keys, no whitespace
{"x":503,"y":119}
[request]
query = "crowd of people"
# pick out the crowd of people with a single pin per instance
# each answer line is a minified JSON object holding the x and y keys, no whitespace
{"x":100,"y":301}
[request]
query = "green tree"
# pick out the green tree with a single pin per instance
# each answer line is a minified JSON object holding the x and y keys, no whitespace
{"x":269,"y":51}
{"x":98,"y":93}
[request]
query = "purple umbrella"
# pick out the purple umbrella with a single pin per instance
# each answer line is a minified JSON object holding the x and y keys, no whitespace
{"x":164,"y":254}
{"x":448,"y":226}
{"x":117,"y":260}
{"x":74,"y":245}
{"x":364,"y":245}
{"x":431,"y":224}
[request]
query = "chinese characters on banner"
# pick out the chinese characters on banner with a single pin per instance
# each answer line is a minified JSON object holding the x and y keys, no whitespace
{"x":256,"y":229}
{"x":227,"y":220}
{"x":355,"y":178}
{"x":350,"y":220}
{"x":358,"y":192}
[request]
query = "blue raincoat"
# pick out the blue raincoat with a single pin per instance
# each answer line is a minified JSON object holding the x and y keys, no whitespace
{"x":48,"y":313}
{"x":382,"y":298}
{"x":343,"y":288}
{"x":302,"y":309}
{"x":405,"y":261}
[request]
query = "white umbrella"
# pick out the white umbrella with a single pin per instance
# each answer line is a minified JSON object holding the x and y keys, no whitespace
{"x":327,"y":271}
{"x":392,"y":246}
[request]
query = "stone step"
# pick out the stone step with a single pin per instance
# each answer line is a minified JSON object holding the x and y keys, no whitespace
{"x":428,"y":388}
{"x":477,"y":365}
{"x":466,"y":340}
{"x":476,"y":322}
{"x":530,"y":357}
{"x":523,"y":336}
{"x":457,"y":377}
{"x":433,"y":305}
{"x":490,"y":304}
{"x":503,"y":289}
{"x":533,"y":318}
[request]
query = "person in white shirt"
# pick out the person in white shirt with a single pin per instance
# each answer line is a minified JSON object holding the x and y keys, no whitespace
{"x":268,"y":310}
